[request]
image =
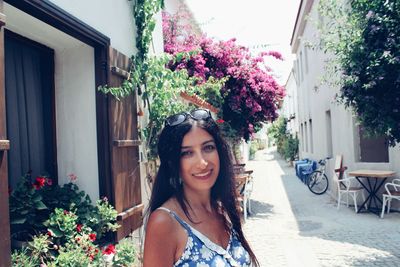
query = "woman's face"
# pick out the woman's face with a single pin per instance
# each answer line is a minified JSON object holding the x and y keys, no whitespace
{"x":199,"y":162}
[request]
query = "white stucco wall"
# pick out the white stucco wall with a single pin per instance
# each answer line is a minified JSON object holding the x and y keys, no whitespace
{"x":113,"y":18}
{"x":316,"y":98}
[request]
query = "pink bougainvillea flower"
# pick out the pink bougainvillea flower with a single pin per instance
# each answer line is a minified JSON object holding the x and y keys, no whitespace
{"x":92,"y":237}
{"x":110,"y":249}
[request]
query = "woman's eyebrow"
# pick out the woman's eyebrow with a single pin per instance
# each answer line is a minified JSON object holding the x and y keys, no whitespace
{"x":205,"y":142}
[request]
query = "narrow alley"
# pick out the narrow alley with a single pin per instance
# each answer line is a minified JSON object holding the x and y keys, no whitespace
{"x":290,"y":226}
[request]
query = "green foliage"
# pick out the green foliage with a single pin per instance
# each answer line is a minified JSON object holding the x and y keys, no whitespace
{"x":36,"y":208}
{"x":67,"y":196}
{"x":277,"y":132}
{"x":254,"y":147}
{"x":62,"y":225}
{"x":26,"y":208}
{"x":290,"y":147}
{"x":163,"y":90}
{"x":22,"y":258}
{"x":125,"y":256}
{"x":144,"y":11}
{"x":363,"y":37}
{"x":103,"y":219}
{"x":287,"y":145}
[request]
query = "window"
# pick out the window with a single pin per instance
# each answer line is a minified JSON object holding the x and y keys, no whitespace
{"x":329,"y":145}
{"x":29,"y":86}
{"x":311,"y":137}
{"x":306,"y":58}
{"x":306,"y":136}
{"x":301,"y":136}
{"x":301,"y":66}
{"x":372,"y":149}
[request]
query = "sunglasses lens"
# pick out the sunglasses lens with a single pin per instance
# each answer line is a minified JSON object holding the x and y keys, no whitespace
{"x":175,"y":119}
{"x":200,"y":114}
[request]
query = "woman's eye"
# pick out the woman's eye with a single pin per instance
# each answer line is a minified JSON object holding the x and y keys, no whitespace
{"x":186,"y":153}
{"x":209,"y":148}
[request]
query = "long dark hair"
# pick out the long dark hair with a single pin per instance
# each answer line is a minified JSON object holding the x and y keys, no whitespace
{"x":167,"y":183}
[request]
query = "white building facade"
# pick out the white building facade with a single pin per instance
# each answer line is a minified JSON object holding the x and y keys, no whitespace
{"x":325,"y":127}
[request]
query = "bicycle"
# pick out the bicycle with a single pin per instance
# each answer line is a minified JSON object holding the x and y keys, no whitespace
{"x":317,"y":181}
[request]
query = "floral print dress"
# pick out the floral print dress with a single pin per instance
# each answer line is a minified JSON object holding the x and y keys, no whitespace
{"x":202,"y":252}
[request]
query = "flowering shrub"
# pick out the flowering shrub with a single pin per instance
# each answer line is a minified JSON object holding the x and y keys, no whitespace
{"x":77,"y":251}
{"x":65,"y":208}
{"x":68,"y":243}
{"x":250,"y":94}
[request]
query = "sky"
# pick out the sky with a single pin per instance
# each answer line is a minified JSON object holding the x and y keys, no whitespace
{"x":254,"y":23}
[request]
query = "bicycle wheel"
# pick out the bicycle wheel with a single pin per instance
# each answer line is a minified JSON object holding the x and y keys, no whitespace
{"x":317,"y":182}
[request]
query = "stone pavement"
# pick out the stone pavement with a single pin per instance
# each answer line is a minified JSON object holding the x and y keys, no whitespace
{"x":290,"y":226}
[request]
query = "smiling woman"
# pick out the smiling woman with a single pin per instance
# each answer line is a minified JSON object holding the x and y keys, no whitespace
{"x":193,"y":217}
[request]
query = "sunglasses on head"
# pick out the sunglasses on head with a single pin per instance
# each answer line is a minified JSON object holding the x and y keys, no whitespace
{"x":197,"y":114}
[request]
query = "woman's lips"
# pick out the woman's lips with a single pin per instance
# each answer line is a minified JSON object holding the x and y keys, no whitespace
{"x":203,"y":175}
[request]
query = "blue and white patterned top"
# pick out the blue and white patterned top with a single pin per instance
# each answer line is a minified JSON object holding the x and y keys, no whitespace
{"x":200,"y":251}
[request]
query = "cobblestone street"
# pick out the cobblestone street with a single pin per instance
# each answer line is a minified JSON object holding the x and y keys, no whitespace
{"x":290,"y":226}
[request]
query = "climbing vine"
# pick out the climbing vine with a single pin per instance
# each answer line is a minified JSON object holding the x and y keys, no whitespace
{"x":144,"y":12}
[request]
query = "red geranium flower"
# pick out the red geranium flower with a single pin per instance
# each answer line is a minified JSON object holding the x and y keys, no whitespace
{"x":39,"y":182}
{"x":92,"y":237}
{"x":49,"y":181}
{"x":79,"y":228}
{"x":220,"y":121}
{"x":110,"y":249}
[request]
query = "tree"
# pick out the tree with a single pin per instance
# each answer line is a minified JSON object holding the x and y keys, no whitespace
{"x":364,"y":38}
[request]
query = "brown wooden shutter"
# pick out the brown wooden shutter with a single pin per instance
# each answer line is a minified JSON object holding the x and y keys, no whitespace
{"x":5,"y":249}
{"x":125,"y":168}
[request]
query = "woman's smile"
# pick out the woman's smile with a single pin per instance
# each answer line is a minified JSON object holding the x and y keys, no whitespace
{"x":203,"y":175}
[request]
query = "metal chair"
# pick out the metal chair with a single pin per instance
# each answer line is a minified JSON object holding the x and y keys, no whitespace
{"x":345,"y":187}
{"x":392,"y":192}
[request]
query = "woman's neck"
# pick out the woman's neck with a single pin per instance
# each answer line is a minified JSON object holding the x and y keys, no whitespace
{"x":198,"y":201}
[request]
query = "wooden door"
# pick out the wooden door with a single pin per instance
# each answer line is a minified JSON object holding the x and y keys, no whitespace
{"x":5,"y":249}
{"x":125,"y":167}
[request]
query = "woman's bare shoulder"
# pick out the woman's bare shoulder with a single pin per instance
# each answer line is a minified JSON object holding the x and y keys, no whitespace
{"x":161,"y":219}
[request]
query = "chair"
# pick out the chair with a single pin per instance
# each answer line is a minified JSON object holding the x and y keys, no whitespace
{"x":244,"y":188}
{"x":392,"y":192}
{"x":345,"y":187}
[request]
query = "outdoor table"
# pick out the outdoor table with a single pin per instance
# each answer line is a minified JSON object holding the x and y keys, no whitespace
{"x":372,"y":189}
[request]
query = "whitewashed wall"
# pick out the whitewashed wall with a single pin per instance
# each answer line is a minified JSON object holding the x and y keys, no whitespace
{"x":316,"y":98}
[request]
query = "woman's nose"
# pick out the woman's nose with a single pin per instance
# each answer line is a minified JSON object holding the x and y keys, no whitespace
{"x":202,"y":162}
